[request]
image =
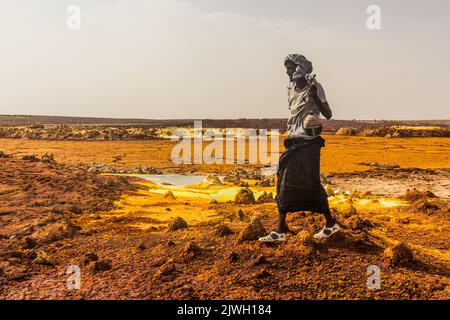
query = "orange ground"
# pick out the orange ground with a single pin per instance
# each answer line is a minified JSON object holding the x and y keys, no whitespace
{"x":44,"y":229}
{"x":341,"y":153}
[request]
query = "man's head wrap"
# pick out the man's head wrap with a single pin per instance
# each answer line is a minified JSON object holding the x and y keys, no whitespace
{"x":304,"y":66}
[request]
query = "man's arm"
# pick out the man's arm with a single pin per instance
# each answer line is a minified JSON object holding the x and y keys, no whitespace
{"x":323,"y":106}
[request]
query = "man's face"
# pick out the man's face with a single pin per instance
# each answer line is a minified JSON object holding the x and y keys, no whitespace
{"x":290,"y":69}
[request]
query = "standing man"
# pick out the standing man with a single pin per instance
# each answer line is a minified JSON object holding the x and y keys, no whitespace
{"x":298,"y":177}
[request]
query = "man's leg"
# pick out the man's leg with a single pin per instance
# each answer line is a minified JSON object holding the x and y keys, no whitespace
{"x":282,"y":225}
{"x":330,"y":228}
{"x":280,"y":234}
{"x":329,"y":219}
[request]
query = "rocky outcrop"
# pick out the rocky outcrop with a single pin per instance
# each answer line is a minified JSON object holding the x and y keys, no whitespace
{"x":268,"y":181}
{"x":169,"y":195}
{"x":102,"y":168}
{"x":240,"y":173}
{"x":399,"y":254}
{"x":241,"y":216}
{"x":78,"y":132}
{"x":244,"y":196}
{"x":223,"y":230}
{"x":347,"y":132}
{"x":102,"y":265}
{"x":412,"y":195}
{"x":252,"y":231}
{"x":3,"y":155}
{"x":177,"y":224}
{"x":212,"y":180}
{"x":265,"y":197}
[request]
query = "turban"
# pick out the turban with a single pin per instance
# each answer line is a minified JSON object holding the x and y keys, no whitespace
{"x":304,"y":66}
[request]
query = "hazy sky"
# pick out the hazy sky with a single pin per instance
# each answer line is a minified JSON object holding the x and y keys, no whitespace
{"x":222,"y":58}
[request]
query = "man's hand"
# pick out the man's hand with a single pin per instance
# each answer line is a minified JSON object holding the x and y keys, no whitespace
{"x":313,"y":90}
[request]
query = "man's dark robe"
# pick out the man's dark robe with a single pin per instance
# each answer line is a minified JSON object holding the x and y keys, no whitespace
{"x":298,"y":183}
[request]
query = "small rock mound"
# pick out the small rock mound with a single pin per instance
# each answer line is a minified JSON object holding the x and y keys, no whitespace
{"x":265,"y":197}
{"x":252,"y":231}
{"x":367,"y":194}
{"x":349,"y":211}
{"x":262,"y":274}
{"x":3,"y":155}
{"x":211,"y":180}
{"x":261,"y":259}
{"x":223,"y":230}
{"x":102,"y":265}
{"x":90,"y":257}
{"x":48,"y":158}
{"x":192,"y":249}
{"x":324,"y":180}
{"x":329,"y":190}
{"x":355,"y":194}
{"x":166,"y":269}
{"x":306,"y":238}
{"x":169,"y":195}
{"x":349,"y":200}
{"x":356,"y":223}
{"x":344,"y":131}
{"x":398,"y":255}
{"x":44,"y":259}
{"x":244,"y":196}
{"x":31,"y":158}
{"x":185,"y":292}
{"x":413,"y":195}
{"x":307,"y":242}
{"x":170,"y":243}
{"x":178,"y":223}
{"x":29,"y":243}
{"x":243,"y":184}
{"x":100,"y":168}
{"x":238,"y":174}
{"x":145,"y":170}
{"x":268,"y":181}
{"x":233,"y":257}
{"x":425,"y":205}
{"x":74,"y":208}
{"x":312,"y":224}
{"x":240,"y":215}
{"x":421,"y":200}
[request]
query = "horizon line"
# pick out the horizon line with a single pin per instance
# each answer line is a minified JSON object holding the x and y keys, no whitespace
{"x":202,"y":119}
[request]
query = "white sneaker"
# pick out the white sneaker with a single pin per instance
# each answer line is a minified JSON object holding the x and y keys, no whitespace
{"x":273,"y":237}
{"x":327,"y":231}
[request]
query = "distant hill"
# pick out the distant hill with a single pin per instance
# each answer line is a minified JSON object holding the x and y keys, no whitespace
{"x":273,"y":123}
